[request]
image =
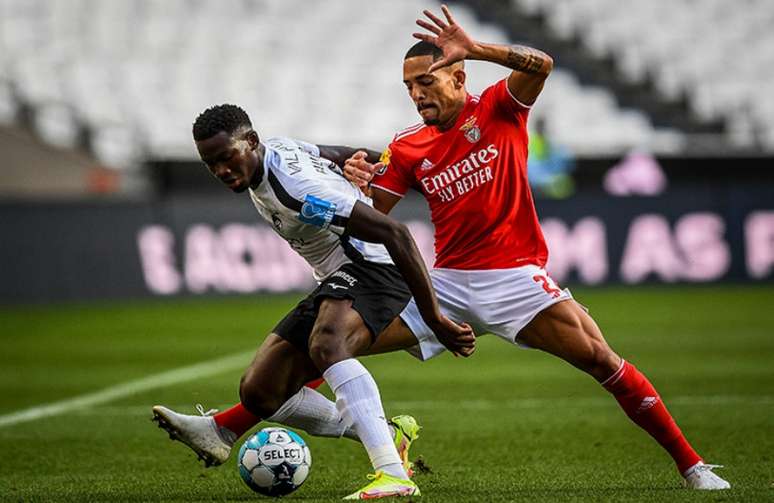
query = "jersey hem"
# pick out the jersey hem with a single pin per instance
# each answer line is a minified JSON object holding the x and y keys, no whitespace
{"x":524,"y":263}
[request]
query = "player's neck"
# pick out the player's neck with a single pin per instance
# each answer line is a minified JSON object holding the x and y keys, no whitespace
{"x":260,"y":154}
{"x":452,"y":120}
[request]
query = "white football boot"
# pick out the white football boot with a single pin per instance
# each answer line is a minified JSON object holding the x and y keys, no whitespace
{"x":700,"y":476}
{"x":209,"y":441}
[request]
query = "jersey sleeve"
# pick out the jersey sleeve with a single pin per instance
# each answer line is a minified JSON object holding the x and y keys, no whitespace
{"x":394,"y":176}
{"x":500,"y":98}
{"x":324,"y":203}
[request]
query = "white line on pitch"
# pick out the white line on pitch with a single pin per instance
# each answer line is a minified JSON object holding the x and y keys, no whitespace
{"x":171,"y":377}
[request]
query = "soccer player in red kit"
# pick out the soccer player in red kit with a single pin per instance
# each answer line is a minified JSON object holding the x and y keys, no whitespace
{"x":468,"y":158}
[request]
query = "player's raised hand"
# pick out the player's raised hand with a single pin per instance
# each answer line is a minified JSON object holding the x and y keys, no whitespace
{"x":459,"y":339}
{"x":360,"y":172}
{"x":450,"y":38}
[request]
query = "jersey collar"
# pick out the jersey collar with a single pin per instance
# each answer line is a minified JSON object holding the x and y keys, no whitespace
{"x":269,"y":158}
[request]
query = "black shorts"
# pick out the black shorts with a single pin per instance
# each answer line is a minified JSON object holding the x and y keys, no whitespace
{"x":378,"y":293}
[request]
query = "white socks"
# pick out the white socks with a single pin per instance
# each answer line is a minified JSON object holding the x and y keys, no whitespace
{"x":312,"y":412}
{"x":358,"y":400}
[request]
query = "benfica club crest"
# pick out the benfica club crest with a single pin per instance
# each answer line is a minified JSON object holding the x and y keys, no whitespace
{"x":471,"y":130}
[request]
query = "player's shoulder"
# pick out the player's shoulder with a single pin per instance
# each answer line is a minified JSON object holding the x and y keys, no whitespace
{"x":494,"y":93}
{"x":500,"y":93}
{"x":284,"y":167}
{"x":407,"y":145}
{"x":411,"y":134}
{"x":494,"y":88}
{"x":282,"y":143}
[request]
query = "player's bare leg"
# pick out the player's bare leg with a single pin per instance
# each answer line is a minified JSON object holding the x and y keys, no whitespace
{"x":396,"y":337}
{"x":278,"y":371}
{"x":566,"y":330}
{"x":278,"y":404}
{"x":311,"y":411}
{"x":339,"y":334}
{"x":265,"y":387}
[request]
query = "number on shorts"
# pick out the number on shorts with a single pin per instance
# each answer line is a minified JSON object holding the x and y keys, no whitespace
{"x":553,"y":292}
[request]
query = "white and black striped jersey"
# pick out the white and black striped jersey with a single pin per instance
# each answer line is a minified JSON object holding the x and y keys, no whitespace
{"x":308,"y":202}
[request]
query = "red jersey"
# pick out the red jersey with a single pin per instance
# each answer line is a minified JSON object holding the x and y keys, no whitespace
{"x":474,"y":177}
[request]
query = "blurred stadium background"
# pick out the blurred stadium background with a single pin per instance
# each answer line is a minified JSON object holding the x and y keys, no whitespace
{"x":651,"y":158}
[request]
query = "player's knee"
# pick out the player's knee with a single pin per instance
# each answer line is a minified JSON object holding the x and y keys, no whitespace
{"x":588,"y":348}
{"x":602,"y":361}
{"x":258,"y":397}
{"x":324,"y":349}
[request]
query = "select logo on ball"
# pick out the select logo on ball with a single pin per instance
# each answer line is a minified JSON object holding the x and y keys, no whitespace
{"x":274,"y":462}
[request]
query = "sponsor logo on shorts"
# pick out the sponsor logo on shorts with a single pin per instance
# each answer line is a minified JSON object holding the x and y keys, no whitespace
{"x":351,"y":280}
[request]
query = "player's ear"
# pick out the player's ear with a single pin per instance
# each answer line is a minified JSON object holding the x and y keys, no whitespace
{"x":252,"y":139}
{"x":459,"y":77}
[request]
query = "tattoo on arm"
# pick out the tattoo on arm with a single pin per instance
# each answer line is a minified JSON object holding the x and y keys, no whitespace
{"x":525,"y":59}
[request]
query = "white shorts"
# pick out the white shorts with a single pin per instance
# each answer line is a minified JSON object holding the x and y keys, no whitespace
{"x":497,"y":301}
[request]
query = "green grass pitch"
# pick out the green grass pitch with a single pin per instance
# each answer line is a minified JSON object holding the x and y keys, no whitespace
{"x":505,"y":425}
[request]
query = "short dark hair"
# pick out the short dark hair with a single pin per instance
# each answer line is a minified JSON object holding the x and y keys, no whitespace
{"x":423,"y":48}
{"x":220,"y":118}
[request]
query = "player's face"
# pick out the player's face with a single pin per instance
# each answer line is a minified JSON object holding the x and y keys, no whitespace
{"x":438,"y":96}
{"x":232,"y":160}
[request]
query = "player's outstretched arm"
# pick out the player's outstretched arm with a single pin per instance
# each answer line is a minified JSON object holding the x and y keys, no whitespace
{"x":530,"y":66}
{"x":370,"y":225}
{"x":358,"y":170}
{"x":343,"y":155}
{"x":340,"y":153}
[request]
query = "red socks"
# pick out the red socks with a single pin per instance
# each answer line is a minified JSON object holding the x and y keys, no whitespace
{"x":238,"y":420}
{"x":639,"y":399}
{"x":315,"y":384}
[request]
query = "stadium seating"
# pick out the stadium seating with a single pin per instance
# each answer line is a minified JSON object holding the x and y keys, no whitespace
{"x":719,"y":57}
{"x":135,"y":73}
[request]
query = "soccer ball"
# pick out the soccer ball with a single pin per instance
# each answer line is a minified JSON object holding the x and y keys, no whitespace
{"x":274,"y":461}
